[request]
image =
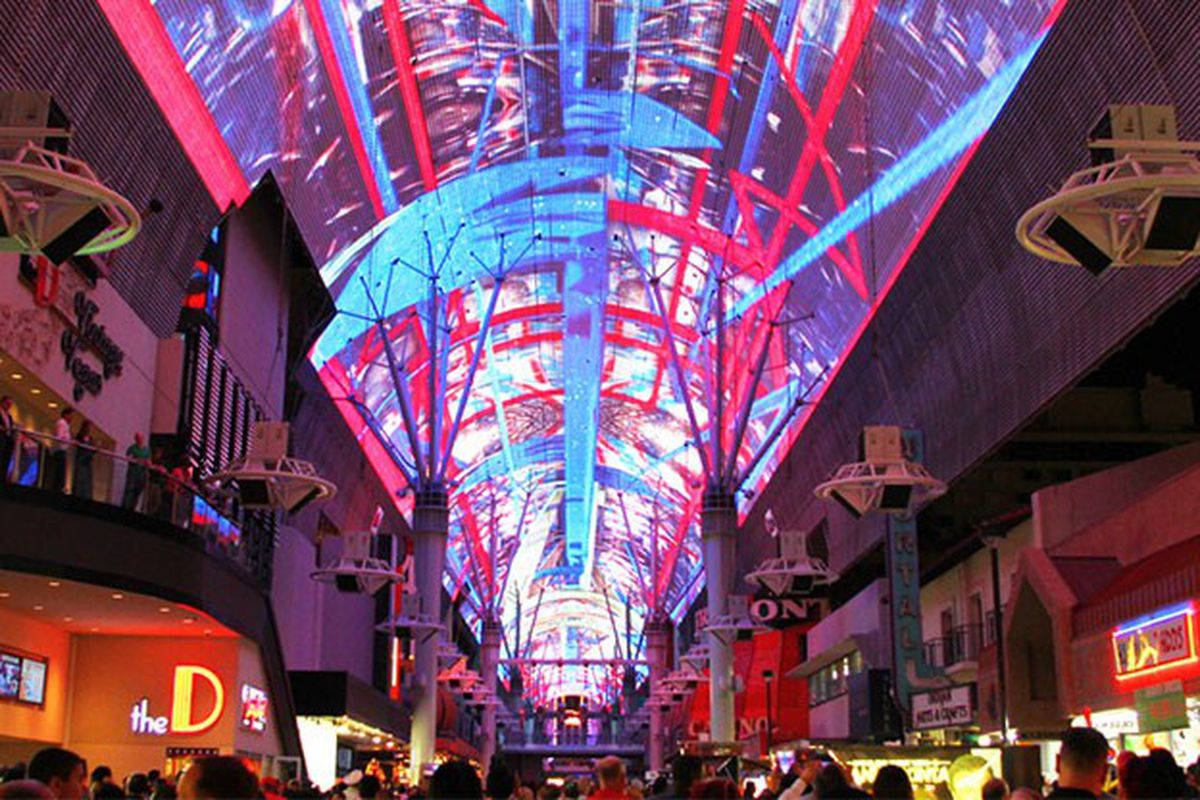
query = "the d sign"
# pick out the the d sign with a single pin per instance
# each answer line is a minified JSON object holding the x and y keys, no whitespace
{"x":182,"y":696}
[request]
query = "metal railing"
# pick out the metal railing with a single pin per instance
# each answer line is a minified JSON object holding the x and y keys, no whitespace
{"x":88,"y":472}
{"x":961,"y":645}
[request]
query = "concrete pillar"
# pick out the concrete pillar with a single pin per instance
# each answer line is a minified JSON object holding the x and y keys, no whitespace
{"x":656,"y":654}
{"x":489,"y":661}
{"x":718,"y":527}
{"x":430,"y":521}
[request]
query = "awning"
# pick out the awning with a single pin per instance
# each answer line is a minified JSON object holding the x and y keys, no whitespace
{"x":828,"y":656}
{"x":327,"y":693}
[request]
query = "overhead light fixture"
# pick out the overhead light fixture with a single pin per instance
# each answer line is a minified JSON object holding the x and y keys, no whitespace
{"x":4,"y":595}
{"x":55,"y":584}
{"x":68,"y":619}
{"x":188,"y":620}
{"x":164,"y":609}
{"x":94,"y":630}
{"x":117,"y":596}
{"x":39,"y":607}
{"x":16,"y":376}
{"x":35,"y":391}
{"x":52,"y":404}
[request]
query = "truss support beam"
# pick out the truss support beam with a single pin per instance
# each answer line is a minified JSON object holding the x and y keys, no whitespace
{"x":680,"y":377}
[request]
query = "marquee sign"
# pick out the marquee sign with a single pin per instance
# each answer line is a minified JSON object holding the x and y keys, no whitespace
{"x":1155,"y":642}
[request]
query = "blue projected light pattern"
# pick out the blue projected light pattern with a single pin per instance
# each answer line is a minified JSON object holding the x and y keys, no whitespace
{"x":596,"y":151}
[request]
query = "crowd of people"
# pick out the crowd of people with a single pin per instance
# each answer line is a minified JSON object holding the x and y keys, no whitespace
{"x":1086,"y":769}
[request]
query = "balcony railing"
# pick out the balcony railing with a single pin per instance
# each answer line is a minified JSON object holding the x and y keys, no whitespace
{"x":961,"y":645}
{"x":41,"y":461}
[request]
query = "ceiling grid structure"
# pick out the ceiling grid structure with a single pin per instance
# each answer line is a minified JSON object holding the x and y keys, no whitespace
{"x":978,"y":335}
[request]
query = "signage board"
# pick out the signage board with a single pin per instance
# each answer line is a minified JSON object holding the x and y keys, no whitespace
{"x":1155,"y":642}
{"x":1161,"y":708}
{"x":254,"y":708}
{"x":182,"y":719}
{"x":953,"y":706}
{"x":780,"y":611}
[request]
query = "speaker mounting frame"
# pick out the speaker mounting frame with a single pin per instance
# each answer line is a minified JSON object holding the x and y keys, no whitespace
{"x":35,"y":181}
{"x":861,"y":485}
{"x":1123,"y":198}
{"x":284,"y":478}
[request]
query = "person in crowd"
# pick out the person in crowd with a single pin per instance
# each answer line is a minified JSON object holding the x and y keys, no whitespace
{"x":807,"y":766}
{"x":107,"y":791}
{"x":714,"y":789}
{"x":685,"y":772}
{"x":455,"y":779}
{"x":571,"y":790}
{"x":56,"y":453}
{"x":1025,"y":793}
{"x":892,"y":783}
{"x":500,"y":783}
{"x":549,"y":792}
{"x":135,"y":474}
{"x":831,"y":783}
{"x":63,"y":772}
{"x":1153,"y":776}
{"x":100,"y":775}
{"x":181,"y":491}
{"x":369,"y":788}
{"x":1082,"y":764}
{"x":137,"y":785}
{"x":611,"y":772}
{"x":995,"y":789}
{"x":8,"y":436}
{"x":16,"y":772}
{"x":85,"y":451}
{"x":218,"y":778}
{"x":25,"y":789}
{"x":748,"y":792}
{"x":164,"y":791}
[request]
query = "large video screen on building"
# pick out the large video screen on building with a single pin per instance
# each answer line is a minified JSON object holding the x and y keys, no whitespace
{"x":22,"y":677}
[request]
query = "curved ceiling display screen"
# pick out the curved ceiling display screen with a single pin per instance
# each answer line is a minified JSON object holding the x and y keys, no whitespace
{"x":768,"y":164}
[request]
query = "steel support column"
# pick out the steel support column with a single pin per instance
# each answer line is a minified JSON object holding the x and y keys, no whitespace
{"x":489,"y":662}
{"x":656,"y":653}
{"x":718,"y":526}
{"x":430,"y":519}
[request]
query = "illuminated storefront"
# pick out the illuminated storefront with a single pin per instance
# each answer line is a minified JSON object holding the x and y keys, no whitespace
{"x":127,"y":680}
{"x":1153,"y":696}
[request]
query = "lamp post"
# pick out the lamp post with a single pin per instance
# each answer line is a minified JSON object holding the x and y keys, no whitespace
{"x":992,"y":542}
{"x":768,"y":677}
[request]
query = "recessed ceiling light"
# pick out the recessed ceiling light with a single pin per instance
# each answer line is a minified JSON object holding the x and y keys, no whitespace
{"x":68,"y":619}
{"x":188,"y":620}
{"x":4,"y":595}
{"x":16,"y":376}
{"x":55,"y":584}
{"x":208,"y":631}
{"x":39,"y":607}
{"x":117,"y":596}
{"x":52,"y":404}
{"x":94,"y":630}
{"x":164,"y":609}
{"x":35,"y":391}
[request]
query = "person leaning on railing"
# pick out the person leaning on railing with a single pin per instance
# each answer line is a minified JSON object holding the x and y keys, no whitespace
{"x":135,"y":476}
{"x":8,"y":436}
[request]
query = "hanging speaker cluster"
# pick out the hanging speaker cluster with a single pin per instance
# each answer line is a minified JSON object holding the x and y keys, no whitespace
{"x":1138,"y":204}
{"x":51,"y":203}
{"x":267,"y":478}
{"x":884,"y":480}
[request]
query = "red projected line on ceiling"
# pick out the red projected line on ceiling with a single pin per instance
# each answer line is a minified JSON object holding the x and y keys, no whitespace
{"x":144,"y":39}
{"x":337,"y":83}
{"x":410,"y":93}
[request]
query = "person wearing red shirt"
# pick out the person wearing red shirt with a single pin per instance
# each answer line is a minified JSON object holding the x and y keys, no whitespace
{"x":611,"y":773}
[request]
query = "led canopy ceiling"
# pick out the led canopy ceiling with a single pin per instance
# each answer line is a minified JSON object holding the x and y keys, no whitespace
{"x":784,"y":156}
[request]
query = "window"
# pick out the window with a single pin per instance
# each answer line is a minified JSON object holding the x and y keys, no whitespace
{"x":834,"y":680}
